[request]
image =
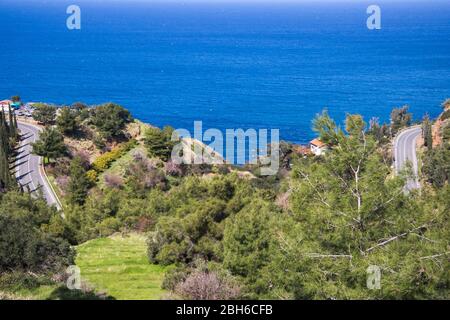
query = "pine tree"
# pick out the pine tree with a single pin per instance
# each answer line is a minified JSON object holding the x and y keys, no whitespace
{"x":50,"y":144}
{"x":15,"y":125}
{"x":5,"y":175}
{"x":12,"y":128}
{"x":79,"y":184}
{"x":4,"y":134}
{"x":67,"y":121}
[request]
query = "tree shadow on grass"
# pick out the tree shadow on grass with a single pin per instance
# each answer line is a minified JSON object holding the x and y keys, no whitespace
{"x":63,"y":293}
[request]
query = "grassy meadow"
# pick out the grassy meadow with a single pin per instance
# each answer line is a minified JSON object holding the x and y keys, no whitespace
{"x":118,"y":266}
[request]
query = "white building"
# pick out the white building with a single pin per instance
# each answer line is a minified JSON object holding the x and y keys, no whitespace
{"x":4,"y":105}
{"x":318,"y":147}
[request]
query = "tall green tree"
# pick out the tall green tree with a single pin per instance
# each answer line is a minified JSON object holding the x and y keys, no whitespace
{"x":400,"y":118}
{"x":5,"y":175}
{"x":379,"y":132}
{"x":24,"y":243}
{"x":79,"y":183}
{"x":67,"y":121}
{"x":13,"y":133}
{"x":110,"y":119}
{"x":247,"y":241}
{"x":81,"y":110}
{"x":15,"y":124}
{"x":436,"y":166}
{"x":327,"y":128}
{"x":4,"y":133}
{"x":15,"y":99}
{"x":50,"y":144}
{"x":427,"y":132}
{"x":44,"y":113}
{"x":348,"y":215}
{"x":159,"y":143}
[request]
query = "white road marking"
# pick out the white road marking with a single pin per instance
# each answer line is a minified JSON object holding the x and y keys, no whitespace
{"x":407,"y":139}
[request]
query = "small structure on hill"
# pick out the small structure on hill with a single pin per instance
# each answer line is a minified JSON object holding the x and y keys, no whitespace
{"x":4,"y":104}
{"x":318,"y":147}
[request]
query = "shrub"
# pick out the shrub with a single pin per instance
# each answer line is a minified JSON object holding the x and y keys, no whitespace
{"x":23,"y":245}
{"x":62,"y":182}
{"x":84,"y":156}
{"x":110,"y":119}
{"x":159,"y":142}
{"x":113,"y":181}
{"x":104,"y":161}
{"x":92,"y":176}
{"x":142,"y":174}
{"x":174,"y":276}
{"x":173,"y":169}
{"x":15,"y":280}
{"x":201,"y":285}
{"x":108,"y":226}
{"x":44,"y":113}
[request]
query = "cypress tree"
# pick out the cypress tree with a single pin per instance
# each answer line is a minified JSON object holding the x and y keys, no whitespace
{"x":427,"y":132}
{"x":79,"y":183}
{"x":4,"y":124}
{"x":15,"y":125}
{"x":5,"y":176}
{"x":6,"y":179}
{"x":4,"y":136}
{"x":12,"y":130}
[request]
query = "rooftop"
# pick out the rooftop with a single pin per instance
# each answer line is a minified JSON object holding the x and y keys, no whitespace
{"x":318,"y":143}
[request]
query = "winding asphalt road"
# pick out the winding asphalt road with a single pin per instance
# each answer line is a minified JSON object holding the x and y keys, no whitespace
{"x":28,"y":167}
{"x":405,"y":151}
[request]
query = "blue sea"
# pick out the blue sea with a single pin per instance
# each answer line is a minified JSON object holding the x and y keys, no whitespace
{"x":230,"y":65}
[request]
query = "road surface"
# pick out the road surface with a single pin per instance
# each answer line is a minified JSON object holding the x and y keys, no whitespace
{"x":28,"y":167}
{"x":405,"y":151}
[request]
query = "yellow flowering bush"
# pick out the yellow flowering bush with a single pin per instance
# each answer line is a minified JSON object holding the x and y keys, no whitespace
{"x":104,"y":161}
{"x":92,"y":176}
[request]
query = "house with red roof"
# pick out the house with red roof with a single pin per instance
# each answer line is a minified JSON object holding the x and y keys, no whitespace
{"x":318,"y":147}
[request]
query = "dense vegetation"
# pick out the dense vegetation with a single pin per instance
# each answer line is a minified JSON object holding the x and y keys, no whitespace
{"x":436,"y":162}
{"x":9,"y":137}
{"x":27,"y":243}
{"x":220,"y":232}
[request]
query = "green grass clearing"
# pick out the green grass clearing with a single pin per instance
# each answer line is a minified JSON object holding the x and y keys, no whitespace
{"x":119,"y":267}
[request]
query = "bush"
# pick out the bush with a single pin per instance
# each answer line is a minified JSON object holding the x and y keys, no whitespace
{"x":92,"y":176}
{"x":14,"y":281}
{"x":104,"y":161}
{"x":173,"y":169}
{"x":200,"y":285}
{"x":174,"y":276}
{"x":110,"y":119}
{"x":159,"y":142}
{"x":24,"y":246}
{"x":44,"y":113}
{"x":108,"y":226}
{"x":113,"y":181}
